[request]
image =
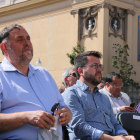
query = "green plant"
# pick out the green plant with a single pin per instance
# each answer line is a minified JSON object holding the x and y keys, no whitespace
{"x":120,"y":62}
{"x":75,"y":51}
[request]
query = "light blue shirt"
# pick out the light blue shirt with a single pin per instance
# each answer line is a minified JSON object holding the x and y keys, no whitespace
{"x":92,"y":113}
{"x":18,"y":93}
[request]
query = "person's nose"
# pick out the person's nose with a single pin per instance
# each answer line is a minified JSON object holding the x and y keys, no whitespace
{"x":27,"y":42}
{"x":99,"y":69}
{"x":119,"y":87}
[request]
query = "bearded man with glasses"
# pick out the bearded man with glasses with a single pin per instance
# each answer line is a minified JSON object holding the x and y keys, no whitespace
{"x":120,"y":101}
{"x":93,"y":117}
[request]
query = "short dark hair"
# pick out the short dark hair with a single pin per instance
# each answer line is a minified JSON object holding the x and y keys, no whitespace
{"x":4,"y":34}
{"x":81,"y":60}
{"x":110,"y":76}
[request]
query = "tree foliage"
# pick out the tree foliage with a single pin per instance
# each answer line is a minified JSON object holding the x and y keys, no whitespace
{"x":75,"y":51}
{"x":120,"y":62}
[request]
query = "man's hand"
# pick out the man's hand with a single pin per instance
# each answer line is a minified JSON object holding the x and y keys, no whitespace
{"x":65,"y":115}
{"x":127,"y":109}
{"x":130,"y":137}
{"x":120,"y":137}
{"x":40,"y":119}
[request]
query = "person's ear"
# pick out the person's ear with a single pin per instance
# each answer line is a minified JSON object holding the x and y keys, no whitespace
{"x":80,"y":71}
{"x":107,"y":84}
{"x":3,"y":46}
{"x":65,"y":79}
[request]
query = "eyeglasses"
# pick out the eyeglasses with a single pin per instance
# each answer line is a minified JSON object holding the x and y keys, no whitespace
{"x":96,"y":66}
{"x":72,"y":74}
{"x":115,"y":85}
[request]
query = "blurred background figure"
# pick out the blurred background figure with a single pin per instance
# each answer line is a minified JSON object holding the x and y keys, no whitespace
{"x":61,"y":88}
{"x":120,"y":101}
{"x":69,"y":77}
{"x":101,"y":85}
{"x":138,"y":106}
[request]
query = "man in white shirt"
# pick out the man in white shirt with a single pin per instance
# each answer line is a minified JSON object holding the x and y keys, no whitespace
{"x":120,"y":101}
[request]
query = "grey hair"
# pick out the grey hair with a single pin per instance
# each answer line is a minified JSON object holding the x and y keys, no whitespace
{"x":102,"y":81}
{"x":4,"y":34}
{"x":66,"y":73}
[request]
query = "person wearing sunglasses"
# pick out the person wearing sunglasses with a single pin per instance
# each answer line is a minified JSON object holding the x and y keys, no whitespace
{"x":92,"y":114}
{"x":120,"y":101}
{"x":69,"y":77}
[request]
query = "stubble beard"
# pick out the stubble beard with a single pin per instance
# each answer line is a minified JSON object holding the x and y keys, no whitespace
{"x":20,"y":59}
{"x":91,"y":79}
{"x":24,"y":60}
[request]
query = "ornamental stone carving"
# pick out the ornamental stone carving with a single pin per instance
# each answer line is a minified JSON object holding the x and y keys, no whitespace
{"x":88,"y":20}
{"x":118,"y":20}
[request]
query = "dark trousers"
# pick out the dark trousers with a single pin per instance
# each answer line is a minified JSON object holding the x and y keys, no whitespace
{"x":65,"y":133}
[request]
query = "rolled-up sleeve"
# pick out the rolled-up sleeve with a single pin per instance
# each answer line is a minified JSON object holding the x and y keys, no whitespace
{"x":78,"y":124}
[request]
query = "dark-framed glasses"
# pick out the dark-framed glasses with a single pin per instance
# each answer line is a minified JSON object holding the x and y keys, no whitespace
{"x":72,"y":74}
{"x":96,"y":66}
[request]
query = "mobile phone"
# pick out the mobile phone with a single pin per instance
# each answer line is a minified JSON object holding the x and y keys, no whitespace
{"x":55,"y":106}
{"x":132,"y":104}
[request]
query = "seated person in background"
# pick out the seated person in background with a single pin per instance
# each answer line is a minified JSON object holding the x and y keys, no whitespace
{"x":101,"y":85}
{"x":93,"y":117}
{"x":120,"y":101}
{"x":27,"y":92}
{"x":69,"y":77}
{"x":138,"y":106}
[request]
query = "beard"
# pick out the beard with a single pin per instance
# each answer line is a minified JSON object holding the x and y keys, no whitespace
{"x":20,"y":58}
{"x":92,"y":79}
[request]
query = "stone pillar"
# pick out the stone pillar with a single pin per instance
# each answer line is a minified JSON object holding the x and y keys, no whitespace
{"x":75,"y":29}
{"x":130,"y":36}
{"x":103,"y":24}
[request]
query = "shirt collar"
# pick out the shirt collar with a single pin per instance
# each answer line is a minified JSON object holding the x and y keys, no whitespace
{"x":7,"y":66}
{"x":108,"y":92}
{"x":84,"y":87}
